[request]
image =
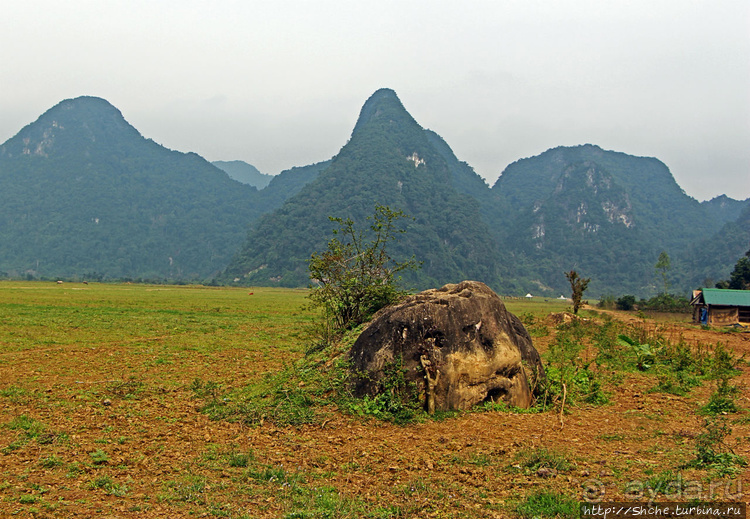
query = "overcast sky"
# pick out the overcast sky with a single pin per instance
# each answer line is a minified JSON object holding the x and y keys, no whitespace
{"x":280,"y":83}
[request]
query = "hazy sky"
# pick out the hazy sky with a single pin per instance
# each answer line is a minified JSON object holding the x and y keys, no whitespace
{"x":280,"y":83}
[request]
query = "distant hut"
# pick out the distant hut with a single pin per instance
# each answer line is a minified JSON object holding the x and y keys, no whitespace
{"x":720,"y":307}
{"x":529,"y":296}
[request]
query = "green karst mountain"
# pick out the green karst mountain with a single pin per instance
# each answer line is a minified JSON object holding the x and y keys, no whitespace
{"x":83,"y":194}
{"x":586,"y":223}
{"x":389,"y":160}
{"x":604,"y":213}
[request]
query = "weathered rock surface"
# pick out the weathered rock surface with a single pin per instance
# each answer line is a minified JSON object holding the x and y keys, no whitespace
{"x":458,"y":345}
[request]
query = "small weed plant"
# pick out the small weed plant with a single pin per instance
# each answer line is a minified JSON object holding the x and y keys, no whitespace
{"x":531,"y":460}
{"x":722,"y":367}
{"x":189,"y":489}
{"x":31,"y":427}
{"x":240,"y":459}
{"x":396,"y":400}
{"x":109,"y":486}
{"x":723,"y":400}
{"x":99,"y":457}
{"x":327,"y":502}
{"x":127,"y":389}
{"x":51,"y":462}
{"x":712,"y":452}
{"x":546,"y":503}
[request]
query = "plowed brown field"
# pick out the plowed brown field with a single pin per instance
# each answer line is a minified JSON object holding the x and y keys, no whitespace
{"x":108,"y":426}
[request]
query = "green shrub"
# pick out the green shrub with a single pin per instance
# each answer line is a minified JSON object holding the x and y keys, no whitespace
{"x":625,"y":303}
{"x":356,"y":276}
{"x":675,"y":383}
{"x":567,"y":374}
{"x":645,"y":354}
{"x":722,"y":368}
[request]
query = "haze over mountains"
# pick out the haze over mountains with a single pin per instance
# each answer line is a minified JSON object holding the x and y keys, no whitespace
{"x":243,"y":172}
{"x":84,"y":195}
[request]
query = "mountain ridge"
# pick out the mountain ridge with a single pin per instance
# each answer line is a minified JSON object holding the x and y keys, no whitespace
{"x":83,"y":193}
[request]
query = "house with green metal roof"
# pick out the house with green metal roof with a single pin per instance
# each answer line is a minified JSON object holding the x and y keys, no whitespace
{"x":721,"y":307}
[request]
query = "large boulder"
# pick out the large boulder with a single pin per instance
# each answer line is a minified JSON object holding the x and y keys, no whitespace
{"x":457,"y":345}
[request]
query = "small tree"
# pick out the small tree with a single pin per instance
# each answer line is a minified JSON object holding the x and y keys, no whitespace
{"x":578,"y":285}
{"x":355,"y":276}
{"x":739,"y":279}
{"x":663,"y":266}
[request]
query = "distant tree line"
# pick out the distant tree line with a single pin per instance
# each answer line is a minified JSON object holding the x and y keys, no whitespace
{"x":739,"y":279}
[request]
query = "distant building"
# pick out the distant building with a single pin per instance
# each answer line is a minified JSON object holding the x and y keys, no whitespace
{"x":720,"y":307}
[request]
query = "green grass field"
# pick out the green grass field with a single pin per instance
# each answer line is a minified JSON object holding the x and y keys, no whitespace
{"x":154,"y":323}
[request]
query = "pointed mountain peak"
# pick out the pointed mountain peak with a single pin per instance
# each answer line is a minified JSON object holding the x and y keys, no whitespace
{"x":383,"y":108}
{"x":383,"y":95}
{"x":80,"y":120}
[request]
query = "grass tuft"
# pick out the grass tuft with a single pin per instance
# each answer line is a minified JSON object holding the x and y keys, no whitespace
{"x":545,"y":503}
{"x":531,"y":460}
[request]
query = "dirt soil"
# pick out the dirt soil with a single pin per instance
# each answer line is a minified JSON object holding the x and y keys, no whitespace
{"x":164,"y":458}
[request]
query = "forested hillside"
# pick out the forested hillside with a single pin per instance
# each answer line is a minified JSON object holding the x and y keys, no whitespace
{"x":606,"y":214}
{"x":712,"y":259}
{"x":725,"y":209}
{"x":389,"y":160}
{"x":83,"y":194}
